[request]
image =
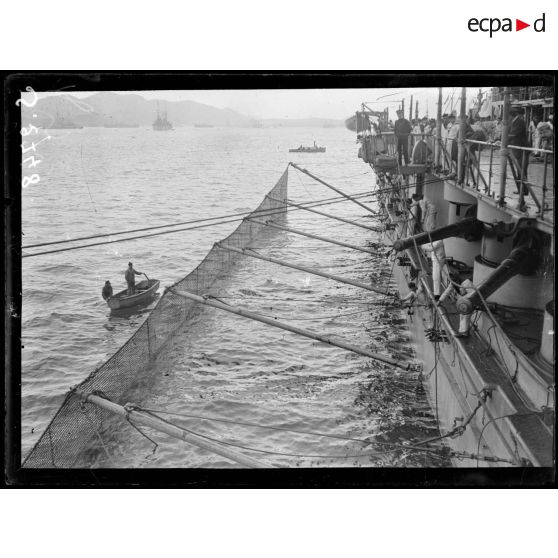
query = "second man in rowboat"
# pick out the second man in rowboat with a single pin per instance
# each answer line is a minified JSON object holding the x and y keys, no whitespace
{"x":107,"y":290}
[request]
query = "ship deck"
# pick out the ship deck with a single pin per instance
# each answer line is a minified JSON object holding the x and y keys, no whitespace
{"x":483,"y":178}
{"x":522,"y":326}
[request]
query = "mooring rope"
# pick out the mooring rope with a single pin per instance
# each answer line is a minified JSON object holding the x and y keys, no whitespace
{"x":352,"y":198}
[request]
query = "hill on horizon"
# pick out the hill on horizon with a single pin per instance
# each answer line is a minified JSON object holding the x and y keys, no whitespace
{"x":106,"y":108}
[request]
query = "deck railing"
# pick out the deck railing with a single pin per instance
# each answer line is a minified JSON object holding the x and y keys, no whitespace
{"x":483,"y":172}
{"x":482,"y":167}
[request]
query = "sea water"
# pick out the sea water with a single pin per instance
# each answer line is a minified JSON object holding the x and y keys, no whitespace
{"x":218,"y":366}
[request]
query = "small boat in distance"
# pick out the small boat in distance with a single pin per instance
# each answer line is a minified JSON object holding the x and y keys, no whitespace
{"x":61,"y":123}
{"x":313,"y":149}
{"x":145,"y":291}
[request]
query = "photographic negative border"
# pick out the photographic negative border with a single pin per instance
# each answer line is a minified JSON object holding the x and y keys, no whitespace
{"x":13,"y":84}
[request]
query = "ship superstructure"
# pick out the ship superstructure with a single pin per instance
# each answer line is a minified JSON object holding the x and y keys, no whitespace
{"x":470,"y":220}
{"x":161,"y":123}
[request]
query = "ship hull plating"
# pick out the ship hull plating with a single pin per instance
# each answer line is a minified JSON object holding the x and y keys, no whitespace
{"x":486,"y":394}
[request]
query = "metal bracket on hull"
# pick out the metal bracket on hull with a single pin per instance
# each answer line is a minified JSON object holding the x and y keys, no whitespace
{"x":436,"y":335}
{"x":403,"y":261}
{"x":504,"y":229}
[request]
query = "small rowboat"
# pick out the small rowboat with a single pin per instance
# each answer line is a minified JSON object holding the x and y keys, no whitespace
{"x":145,"y":290}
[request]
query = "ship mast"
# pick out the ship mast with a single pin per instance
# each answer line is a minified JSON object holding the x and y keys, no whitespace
{"x":504,"y":145}
{"x":437,"y":144}
{"x":461,"y":143}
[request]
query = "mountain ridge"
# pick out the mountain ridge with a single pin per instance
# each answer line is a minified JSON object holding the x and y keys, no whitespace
{"x":106,"y":108}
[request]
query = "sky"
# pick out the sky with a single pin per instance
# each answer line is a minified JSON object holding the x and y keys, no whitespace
{"x":308,"y":103}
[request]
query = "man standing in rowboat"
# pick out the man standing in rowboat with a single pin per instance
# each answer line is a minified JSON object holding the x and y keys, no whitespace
{"x":130,"y":277}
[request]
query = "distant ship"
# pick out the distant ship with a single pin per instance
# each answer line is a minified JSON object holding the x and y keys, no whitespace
{"x":312,"y":149}
{"x":61,"y":123}
{"x":203,"y":126}
{"x":161,"y":123}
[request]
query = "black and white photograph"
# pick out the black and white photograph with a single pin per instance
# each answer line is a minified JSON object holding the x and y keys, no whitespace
{"x":351,"y":277}
{"x":278,"y":279}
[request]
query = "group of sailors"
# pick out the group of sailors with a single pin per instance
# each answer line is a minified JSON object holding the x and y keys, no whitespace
{"x":424,"y":129}
{"x":422,"y":216}
{"x":541,"y":133}
{"x":537,"y":135}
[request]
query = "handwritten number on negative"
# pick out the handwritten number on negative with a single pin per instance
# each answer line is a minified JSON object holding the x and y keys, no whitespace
{"x":28,"y":104}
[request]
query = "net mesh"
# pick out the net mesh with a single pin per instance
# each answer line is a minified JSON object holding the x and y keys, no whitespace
{"x":74,"y":436}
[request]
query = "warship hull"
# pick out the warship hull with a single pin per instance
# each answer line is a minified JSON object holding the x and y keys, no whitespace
{"x":490,"y":399}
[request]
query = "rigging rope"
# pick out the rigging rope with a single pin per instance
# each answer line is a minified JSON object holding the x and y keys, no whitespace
{"x":333,"y":188}
{"x":267,"y":213}
{"x":252,"y":253}
{"x":316,"y":203}
{"x":393,"y":447}
{"x":168,"y":428}
{"x":274,"y":225}
{"x":285,"y":429}
{"x":375,"y":229}
{"x":334,"y":199}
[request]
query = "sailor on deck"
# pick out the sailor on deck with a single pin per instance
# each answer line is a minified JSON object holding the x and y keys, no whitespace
{"x":429,"y":214}
{"x":466,"y":288}
{"x":518,"y":136}
{"x":402,"y":129}
{"x":440,"y":272}
{"x":453,"y":133}
{"x":410,"y":299}
{"x":415,"y":215}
